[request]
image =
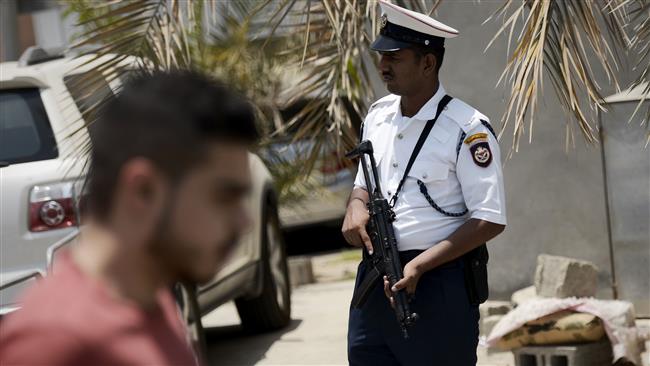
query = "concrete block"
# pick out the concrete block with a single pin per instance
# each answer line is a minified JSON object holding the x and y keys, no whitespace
{"x":492,"y":307}
{"x":586,"y":354}
{"x":525,"y":294}
{"x":488,"y":323}
{"x":301,"y":271}
{"x":565,"y":277}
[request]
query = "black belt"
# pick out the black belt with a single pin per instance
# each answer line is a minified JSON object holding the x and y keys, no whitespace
{"x":408,"y":255}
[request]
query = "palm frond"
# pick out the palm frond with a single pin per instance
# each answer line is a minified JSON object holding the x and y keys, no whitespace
{"x":559,"y":40}
{"x":215,"y":37}
{"x":640,"y":43}
{"x":315,"y":54}
{"x":121,"y":38}
{"x":332,"y":72}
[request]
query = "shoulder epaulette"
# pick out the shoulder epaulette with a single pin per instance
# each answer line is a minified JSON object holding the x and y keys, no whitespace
{"x":466,"y":116}
{"x":387,"y":99}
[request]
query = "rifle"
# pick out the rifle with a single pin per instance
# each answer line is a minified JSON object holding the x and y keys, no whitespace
{"x":385,"y":258}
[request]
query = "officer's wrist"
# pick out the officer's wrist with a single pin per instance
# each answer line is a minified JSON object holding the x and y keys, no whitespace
{"x":422,"y":263}
{"x":352,"y":199}
{"x":418,"y":266}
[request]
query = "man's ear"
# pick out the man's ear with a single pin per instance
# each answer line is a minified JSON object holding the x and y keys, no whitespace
{"x":430,"y":64}
{"x":142,"y":184}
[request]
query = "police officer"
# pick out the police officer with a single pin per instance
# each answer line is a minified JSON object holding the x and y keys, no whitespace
{"x":451,"y":202}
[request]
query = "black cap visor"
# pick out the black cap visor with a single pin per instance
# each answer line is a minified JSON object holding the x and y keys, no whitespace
{"x":387,"y":44}
{"x":393,"y":37}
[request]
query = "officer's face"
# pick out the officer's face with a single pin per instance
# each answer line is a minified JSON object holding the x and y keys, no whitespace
{"x":402,"y":71}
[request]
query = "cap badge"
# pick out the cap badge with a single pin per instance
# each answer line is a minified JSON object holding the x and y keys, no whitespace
{"x":382,"y":21}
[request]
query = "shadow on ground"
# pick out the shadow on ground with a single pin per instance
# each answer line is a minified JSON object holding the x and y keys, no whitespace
{"x":231,"y":345}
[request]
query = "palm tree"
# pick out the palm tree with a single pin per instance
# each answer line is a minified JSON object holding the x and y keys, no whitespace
{"x":164,"y":35}
{"x":324,"y":45}
{"x":557,"y":40}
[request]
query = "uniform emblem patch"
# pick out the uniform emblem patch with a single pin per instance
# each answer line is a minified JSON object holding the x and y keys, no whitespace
{"x":476,"y":136}
{"x":481,"y":154}
{"x":382,"y":21}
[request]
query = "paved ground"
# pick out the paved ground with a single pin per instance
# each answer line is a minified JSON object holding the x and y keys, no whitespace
{"x":317,"y":333}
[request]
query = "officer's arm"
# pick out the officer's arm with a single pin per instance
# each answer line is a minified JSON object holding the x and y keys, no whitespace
{"x":360,"y":195}
{"x":356,"y":215}
{"x":468,"y":236}
{"x":356,"y":218}
{"x":479,"y":173}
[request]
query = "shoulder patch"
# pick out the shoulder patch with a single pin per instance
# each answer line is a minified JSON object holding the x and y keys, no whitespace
{"x":481,"y":154}
{"x":475,"y":137}
{"x":466,"y":116}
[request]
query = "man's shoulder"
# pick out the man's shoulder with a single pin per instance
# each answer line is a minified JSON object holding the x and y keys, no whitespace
{"x":379,"y":111}
{"x":464,"y":115}
{"x":40,"y":331}
{"x":49,"y":302}
{"x":383,"y":102}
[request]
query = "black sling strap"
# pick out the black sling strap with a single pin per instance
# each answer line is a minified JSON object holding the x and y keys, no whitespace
{"x":418,"y":146}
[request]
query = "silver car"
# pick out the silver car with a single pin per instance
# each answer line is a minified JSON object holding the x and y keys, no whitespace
{"x":40,"y":182}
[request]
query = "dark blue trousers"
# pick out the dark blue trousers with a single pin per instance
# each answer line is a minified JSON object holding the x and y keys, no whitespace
{"x":446,"y":333}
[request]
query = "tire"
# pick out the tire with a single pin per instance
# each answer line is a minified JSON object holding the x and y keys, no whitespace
{"x":271,"y":310}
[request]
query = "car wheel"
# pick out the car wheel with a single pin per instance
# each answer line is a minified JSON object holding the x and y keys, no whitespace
{"x":272,"y":308}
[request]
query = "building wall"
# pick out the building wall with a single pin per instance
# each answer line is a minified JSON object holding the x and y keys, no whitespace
{"x":628,"y":178}
{"x":8,"y":30}
{"x":34,"y":22}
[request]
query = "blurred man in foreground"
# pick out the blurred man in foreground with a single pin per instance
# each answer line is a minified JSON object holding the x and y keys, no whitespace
{"x":168,"y":176}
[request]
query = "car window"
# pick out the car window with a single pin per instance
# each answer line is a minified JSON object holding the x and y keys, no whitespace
{"x":25,"y":131}
{"x":90,"y":101}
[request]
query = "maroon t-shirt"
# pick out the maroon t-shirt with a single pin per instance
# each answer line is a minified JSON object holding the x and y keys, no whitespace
{"x":70,"y":319}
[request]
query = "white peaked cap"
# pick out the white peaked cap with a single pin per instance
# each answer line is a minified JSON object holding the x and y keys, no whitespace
{"x":401,"y":28}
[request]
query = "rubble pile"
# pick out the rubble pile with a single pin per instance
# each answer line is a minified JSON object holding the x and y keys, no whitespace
{"x":558,"y":318}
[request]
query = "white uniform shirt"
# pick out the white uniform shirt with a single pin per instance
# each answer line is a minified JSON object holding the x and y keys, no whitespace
{"x":454,"y":182}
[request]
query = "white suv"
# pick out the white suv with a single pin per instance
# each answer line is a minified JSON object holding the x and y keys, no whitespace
{"x":40,"y":181}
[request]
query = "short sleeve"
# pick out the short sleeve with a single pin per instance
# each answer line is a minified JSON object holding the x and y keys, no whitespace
{"x":480,"y":175}
{"x":359,"y":180}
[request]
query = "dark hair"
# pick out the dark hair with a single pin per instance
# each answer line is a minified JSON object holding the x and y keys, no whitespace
{"x":168,"y":118}
{"x":438,"y":52}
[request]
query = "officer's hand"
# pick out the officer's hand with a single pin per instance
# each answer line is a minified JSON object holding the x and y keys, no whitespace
{"x":354,"y":225}
{"x":388,"y":293}
{"x":410,"y":280}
